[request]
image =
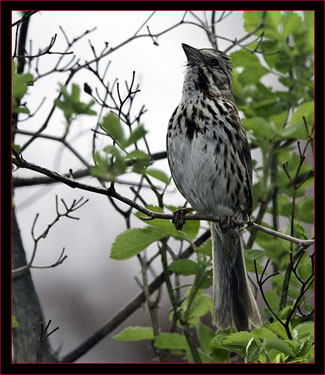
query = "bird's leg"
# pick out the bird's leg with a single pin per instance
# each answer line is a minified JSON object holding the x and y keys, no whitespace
{"x":178,"y":217}
{"x":228,"y":222}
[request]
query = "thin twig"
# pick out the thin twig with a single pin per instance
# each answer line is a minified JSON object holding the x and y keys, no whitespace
{"x":260,"y":283}
{"x":76,"y":205}
{"x":46,"y":51}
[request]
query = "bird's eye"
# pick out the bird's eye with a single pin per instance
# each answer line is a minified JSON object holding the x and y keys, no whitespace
{"x":215,"y":63}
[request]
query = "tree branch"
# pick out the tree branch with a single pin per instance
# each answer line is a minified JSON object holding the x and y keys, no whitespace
{"x":22,"y":181}
{"x":19,"y":162}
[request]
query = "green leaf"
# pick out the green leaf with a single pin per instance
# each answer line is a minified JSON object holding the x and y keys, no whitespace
{"x":167,"y":226}
{"x":250,"y":256}
{"x":171,"y":341}
{"x":305,"y":353}
{"x":272,"y":22}
{"x":132,"y":241}
{"x":277,"y":328}
{"x":201,"y":305}
{"x":219,"y":352}
{"x":264,"y":333}
{"x":191,"y":228}
{"x":252,"y":19}
{"x":204,"y":357}
{"x":304,"y":268}
{"x":271,"y":46}
{"x":297,"y":130}
{"x":294,"y":293}
{"x":284,"y":206}
{"x":184,"y":267}
{"x":273,"y":300}
{"x":14,"y":322}
{"x":259,"y":126}
{"x":279,"y":345}
{"x":75,"y":93}
{"x":298,"y":230}
{"x":106,"y":167}
{"x":137,"y":154}
{"x":293,"y":161}
{"x":304,"y":330}
{"x":291,"y":23}
{"x":304,"y":210}
{"x":71,"y":104}
{"x":305,"y":347}
{"x":20,"y":83}
{"x":16,"y":147}
{"x":251,"y":75}
{"x":275,"y":248}
{"x":273,"y":19}
{"x":113,"y":151}
{"x":207,"y":282}
{"x":205,"y":249}
{"x":244,"y":58}
{"x":252,"y":351}
{"x":309,"y":20}
{"x":153,"y":208}
{"x":306,"y":109}
{"x":205,"y":336}
{"x":135,"y":334}
{"x":21,"y":109}
{"x":241,"y":339}
{"x":112,"y":126}
{"x":101,"y":166}
{"x":278,"y":120}
{"x":138,"y":133}
{"x":158,"y":174}
{"x":173,"y":208}
{"x":237,"y":342}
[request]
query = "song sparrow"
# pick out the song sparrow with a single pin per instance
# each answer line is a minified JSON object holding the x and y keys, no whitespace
{"x":210,"y":162}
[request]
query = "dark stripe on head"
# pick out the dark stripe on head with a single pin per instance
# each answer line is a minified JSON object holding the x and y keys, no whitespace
{"x":202,"y":83}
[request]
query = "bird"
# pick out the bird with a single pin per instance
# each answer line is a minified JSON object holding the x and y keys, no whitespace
{"x":210,"y":162}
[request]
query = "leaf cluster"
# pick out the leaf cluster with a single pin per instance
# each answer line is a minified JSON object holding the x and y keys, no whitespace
{"x":122,"y":154}
{"x":71,"y":105}
{"x":20,"y":83}
{"x":268,"y":344}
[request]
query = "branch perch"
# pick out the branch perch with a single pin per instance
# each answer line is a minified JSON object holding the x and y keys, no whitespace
{"x":111,"y":192}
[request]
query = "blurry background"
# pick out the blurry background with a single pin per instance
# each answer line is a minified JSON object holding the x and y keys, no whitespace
{"x":89,"y":287}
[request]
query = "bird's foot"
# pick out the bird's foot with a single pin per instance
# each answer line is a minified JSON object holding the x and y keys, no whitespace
{"x":178,"y":217}
{"x":229,"y":222}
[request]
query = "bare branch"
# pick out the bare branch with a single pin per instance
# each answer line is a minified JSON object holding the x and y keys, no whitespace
{"x":25,"y":16}
{"x":75,"y":205}
{"x":43,"y":335}
{"x":46,"y":51}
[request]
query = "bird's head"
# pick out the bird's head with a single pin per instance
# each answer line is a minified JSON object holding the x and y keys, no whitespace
{"x":208,"y":71}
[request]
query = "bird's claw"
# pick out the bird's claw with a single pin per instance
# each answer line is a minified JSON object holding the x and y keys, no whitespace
{"x":228,"y":222}
{"x":178,"y":217}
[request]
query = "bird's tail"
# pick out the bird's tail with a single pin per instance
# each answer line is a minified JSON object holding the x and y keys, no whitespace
{"x":233,"y":299}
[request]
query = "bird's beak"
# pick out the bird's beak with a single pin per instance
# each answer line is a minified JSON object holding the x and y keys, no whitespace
{"x":193,"y":54}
